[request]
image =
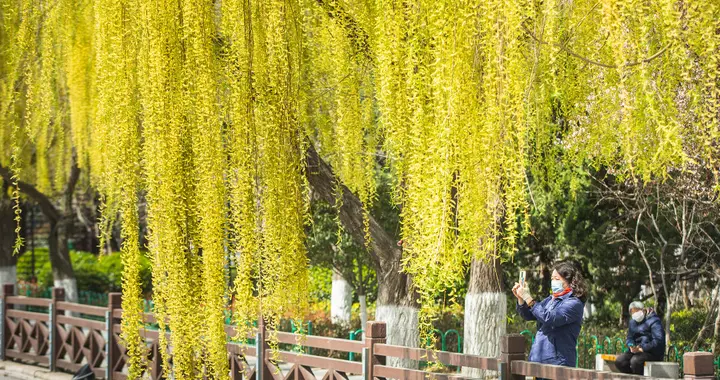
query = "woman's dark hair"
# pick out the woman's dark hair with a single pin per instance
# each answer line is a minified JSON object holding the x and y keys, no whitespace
{"x":574,"y":277}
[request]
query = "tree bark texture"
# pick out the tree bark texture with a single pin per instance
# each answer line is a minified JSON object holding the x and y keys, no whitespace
{"x":397,"y":301}
{"x":485,"y":313}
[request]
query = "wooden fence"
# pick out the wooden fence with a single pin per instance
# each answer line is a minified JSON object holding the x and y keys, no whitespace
{"x":65,"y":336}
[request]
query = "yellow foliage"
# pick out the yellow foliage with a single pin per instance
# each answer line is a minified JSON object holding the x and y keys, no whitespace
{"x":206,"y":108}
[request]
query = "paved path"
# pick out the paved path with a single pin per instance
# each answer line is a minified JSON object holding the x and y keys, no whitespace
{"x":17,"y":371}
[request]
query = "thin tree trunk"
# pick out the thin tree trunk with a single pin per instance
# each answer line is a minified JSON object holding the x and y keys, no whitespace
{"x":485,"y":313}
{"x":716,"y":330}
{"x":8,"y":261}
{"x":668,"y":301}
{"x":363,"y":310}
{"x":362,"y":297}
{"x":650,"y":273}
{"x":545,"y":264}
{"x":340,"y":299}
{"x":713,"y":308}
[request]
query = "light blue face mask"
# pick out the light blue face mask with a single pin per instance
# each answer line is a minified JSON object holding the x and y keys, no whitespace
{"x":556,"y":286}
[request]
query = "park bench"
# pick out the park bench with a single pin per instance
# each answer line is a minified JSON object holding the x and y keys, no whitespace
{"x":605,"y":362}
{"x":666,"y":370}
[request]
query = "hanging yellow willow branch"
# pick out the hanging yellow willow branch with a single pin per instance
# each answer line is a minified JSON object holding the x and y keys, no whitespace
{"x":79,"y":71}
{"x":703,"y":96}
{"x":338,"y":96}
{"x":168,"y":158}
{"x":444,"y":134}
{"x":243,"y":171}
{"x":200,"y":102}
{"x":114,"y":122}
{"x":631,"y":116}
{"x":40,"y":100}
{"x":392,"y":92}
{"x":267,"y":185}
{"x":428,"y":224}
{"x":17,"y":23}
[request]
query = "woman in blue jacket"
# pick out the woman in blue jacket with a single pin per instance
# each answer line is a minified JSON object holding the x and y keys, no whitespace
{"x":559,"y":317}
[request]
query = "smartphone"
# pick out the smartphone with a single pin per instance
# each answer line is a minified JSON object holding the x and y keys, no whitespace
{"x":522,"y":278}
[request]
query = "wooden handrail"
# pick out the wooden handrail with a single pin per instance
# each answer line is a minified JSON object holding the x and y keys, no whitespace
{"x":83,"y":309}
{"x":28,"y":301}
{"x":336,"y":344}
{"x":447,"y":358}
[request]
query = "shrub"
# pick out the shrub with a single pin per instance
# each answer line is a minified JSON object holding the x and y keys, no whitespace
{"x":101,"y":274}
{"x":685,"y":325}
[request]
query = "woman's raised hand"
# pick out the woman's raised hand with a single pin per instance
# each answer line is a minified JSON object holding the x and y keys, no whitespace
{"x":517,"y":291}
{"x":522,"y":293}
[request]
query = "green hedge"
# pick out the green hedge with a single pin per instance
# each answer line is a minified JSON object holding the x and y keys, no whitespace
{"x":97,"y":273}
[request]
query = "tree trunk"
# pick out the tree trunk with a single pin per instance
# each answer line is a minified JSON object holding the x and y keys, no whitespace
{"x":8,"y":261}
{"x":716,"y":330}
{"x":589,"y":309}
{"x":397,"y":306}
{"x":340,"y":299}
{"x":545,"y":264}
{"x":668,"y":302}
{"x":362,"y":297}
{"x":63,"y":274}
{"x":396,"y":302}
{"x":485,"y":313}
{"x":685,"y":295}
{"x":712,"y":308}
{"x":363,"y":311}
{"x":624,"y":314}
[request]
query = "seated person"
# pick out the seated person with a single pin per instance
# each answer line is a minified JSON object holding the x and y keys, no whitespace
{"x":645,"y":340}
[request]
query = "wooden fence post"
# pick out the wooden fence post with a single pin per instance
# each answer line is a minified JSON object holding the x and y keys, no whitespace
{"x":8,"y":290}
{"x":261,"y":345}
{"x":114,"y":303}
{"x":58,"y":295}
{"x":512,"y":347}
{"x":375,"y":333}
{"x":698,"y":366}
{"x":264,"y":370}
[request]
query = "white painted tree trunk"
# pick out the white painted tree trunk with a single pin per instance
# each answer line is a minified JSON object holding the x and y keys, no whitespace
{"x":363,"y":312}
{"x":340,"y":299}
{"x":589,"y":310}
{"x":70,"y":286}
{"x":8,"y":275}
{"x":402,"y":330}
{"x":484,"y":325}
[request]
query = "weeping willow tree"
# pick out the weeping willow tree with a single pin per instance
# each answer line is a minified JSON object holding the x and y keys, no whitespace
{"x":208,"y":109}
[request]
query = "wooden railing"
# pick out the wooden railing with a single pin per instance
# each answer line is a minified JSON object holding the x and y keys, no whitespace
{"x":65,"y":336}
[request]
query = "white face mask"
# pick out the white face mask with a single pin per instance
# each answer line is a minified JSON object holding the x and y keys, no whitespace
{"x":638,"y":316}
{"x":556,"y":286}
